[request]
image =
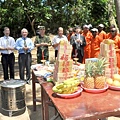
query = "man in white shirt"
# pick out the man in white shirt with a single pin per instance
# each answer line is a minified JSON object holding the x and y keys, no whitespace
{"x":24,"y":45}
{"x":7,"y":45}
{"x":56,"y":40}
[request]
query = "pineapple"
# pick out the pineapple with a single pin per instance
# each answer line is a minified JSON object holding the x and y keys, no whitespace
{"x":100,"y":79}
{"x":89,"y":79}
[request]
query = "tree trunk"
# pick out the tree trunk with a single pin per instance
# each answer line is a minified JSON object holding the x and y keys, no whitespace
{"x":111,"y":16}
{"x":117,"y":5}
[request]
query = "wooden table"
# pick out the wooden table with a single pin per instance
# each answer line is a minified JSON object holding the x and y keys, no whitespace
{"x":34,"y":82}
{"x":87,"y":106}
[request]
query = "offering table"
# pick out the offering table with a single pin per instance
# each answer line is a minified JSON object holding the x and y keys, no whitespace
{"x":87,"y":106}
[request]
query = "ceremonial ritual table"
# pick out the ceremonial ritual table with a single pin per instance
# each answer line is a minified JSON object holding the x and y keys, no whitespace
{"x":34,"y":82}
{"x":87,"y":106}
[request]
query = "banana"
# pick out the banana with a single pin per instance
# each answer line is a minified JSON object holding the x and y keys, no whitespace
{"x":71,"y":79}
{"x":69,"y":86}
{"x":60,"y":85}
{"x":66,"y":87}
{"x":70,"y":91}
{"x":56,"y":90}
{"x":71,"y":82}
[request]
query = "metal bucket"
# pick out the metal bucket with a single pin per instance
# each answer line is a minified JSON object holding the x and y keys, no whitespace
{"x":13,"y":94}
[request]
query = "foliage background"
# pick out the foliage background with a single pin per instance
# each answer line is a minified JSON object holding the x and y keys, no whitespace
{"x":18,"y":14}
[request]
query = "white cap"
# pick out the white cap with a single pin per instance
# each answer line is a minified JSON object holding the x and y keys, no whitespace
{"x":86,"y":26}
{"x":94,"y":29}
{"x":101,"y":25}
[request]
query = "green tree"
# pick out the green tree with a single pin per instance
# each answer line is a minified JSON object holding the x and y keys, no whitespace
{"x":17,"y":14}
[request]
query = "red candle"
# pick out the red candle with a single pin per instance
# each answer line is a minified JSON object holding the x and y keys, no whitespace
{"x":42,"y":55}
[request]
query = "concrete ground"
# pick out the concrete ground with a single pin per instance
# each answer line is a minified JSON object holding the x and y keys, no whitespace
{"x":28,"y":113}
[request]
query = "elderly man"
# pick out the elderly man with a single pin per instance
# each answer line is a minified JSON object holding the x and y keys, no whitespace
{"x":42,"y":42}
{"x":24,"y":45}
{"x":56,"y":40}
{"x":7,"y":45}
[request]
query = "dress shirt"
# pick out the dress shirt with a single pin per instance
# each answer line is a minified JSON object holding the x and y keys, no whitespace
{"x":78,"y":43}
{"x":57,"y":40}
{"x":6,"y":42}
{"x":20,"y":45}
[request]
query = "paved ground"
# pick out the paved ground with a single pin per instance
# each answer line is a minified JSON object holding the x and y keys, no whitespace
{"x":28,"y":113}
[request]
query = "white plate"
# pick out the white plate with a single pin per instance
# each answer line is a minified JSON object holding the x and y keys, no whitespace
{"x":95,"y":90}
{"x":114,"y":87}
{"x":75,"y":94}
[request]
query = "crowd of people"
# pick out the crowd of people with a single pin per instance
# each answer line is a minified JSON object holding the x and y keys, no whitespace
{"x":85,"y":42}
{"x":90,"y":48}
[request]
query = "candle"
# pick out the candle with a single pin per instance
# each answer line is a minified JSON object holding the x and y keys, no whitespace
{"x":42,"y":54}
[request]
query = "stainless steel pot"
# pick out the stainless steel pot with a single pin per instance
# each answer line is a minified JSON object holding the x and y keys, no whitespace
{"x":13,"y":95}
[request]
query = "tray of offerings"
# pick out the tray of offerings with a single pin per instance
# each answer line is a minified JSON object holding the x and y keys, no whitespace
{"x":95,"y":90}
{"x":73,"y":95}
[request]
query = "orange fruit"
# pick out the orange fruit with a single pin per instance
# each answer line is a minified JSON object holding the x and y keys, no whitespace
{"x":116,"y":83}
{"x":109,"y":81}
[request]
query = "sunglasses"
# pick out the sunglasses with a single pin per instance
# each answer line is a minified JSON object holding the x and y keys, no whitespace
{"x":42,"y":28}
{"x":94,"y":31}
{"x":112,"y":31}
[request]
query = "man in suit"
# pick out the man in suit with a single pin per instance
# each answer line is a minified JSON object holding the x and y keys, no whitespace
{"x":78,"y":42}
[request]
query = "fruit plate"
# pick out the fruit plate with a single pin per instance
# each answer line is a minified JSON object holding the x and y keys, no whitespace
{"x":114,"y":87}
{"x":95,"y":90}
{"x":75,"y":94}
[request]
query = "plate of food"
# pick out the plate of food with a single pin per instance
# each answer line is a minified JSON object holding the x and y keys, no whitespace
{"x":75,"y":94}
{"x":95,"y":90}
{"x":114,"y":87}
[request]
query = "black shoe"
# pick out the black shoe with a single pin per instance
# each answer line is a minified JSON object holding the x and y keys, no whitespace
{"x":28,"y":82}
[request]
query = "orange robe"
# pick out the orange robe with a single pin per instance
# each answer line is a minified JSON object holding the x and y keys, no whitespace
{"x":69,"y":36}
{"x":108,"y":35}
{"x":117,"y":47}
{"x":87,"y":48}
{"x":95,"y":46}
{"x":102,"y":35}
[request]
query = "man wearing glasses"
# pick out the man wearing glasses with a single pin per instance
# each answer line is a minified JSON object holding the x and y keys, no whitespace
{"x":42,"y":42}
{"x":114,"y":36}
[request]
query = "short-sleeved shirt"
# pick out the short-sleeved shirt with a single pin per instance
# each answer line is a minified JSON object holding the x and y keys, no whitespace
{"x":7,"y":42}
{"x":57,"y":40}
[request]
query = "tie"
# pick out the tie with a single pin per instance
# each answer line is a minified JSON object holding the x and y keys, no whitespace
{"x":7,"y":42}
{"x":25,"y":45}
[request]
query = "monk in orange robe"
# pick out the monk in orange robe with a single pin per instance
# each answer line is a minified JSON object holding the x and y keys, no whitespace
{"x":95,"y":43}
{"x":102,"y":34}
{"x":116,"y":38}
{"x":109,"y":35}
{"x":87,"y":34}
{"x":71,"y":33}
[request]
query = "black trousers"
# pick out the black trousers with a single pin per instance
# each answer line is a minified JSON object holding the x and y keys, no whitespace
{"x":79,"y":56}
{"x":24,"y":61}
{"x":56,"y":52}
{"x":8,"y":61}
